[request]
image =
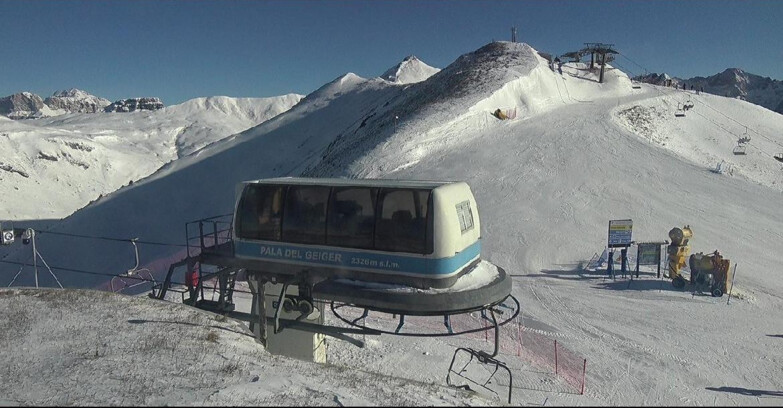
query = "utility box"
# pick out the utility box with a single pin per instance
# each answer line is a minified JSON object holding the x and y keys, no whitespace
{"x":290,"y":342}
{"x":7,"y":235}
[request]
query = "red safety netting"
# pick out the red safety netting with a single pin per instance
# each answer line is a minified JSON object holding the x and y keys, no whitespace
{"x":534,"y":348}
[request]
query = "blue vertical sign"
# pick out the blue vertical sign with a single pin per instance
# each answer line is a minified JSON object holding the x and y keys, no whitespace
{"x":620,"y":233}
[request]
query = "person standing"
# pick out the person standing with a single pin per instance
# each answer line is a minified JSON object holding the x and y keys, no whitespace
{"x":191,"y":281}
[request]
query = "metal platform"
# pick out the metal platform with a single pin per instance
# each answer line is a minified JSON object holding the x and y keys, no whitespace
{"x":480,"y":288}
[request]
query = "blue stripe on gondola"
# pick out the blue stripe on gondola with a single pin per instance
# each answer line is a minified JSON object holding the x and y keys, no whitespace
{"x":341,"y":258}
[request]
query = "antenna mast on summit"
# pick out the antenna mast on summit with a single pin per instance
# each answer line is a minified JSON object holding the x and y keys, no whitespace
{"x":513,"y":34}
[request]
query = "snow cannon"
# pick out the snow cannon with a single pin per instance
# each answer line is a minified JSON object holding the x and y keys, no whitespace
{"x":711,"y":272}
{"x":677,"y":251}
{"x":680,"y":236}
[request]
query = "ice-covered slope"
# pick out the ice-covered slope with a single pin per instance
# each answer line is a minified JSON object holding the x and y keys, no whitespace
{"x":546,"y":183}
{"x":54,"y":166}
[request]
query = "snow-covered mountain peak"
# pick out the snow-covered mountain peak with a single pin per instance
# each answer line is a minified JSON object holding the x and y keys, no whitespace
{"x":497,"y":51}
{"x":483,"y":70}
{"x":409,"y":70}
{"x":21,"y":105}
{"x":340,"y":85}
{"x":71,"y":93}
{"x":254,"y":110}
{"x":76,"y":101}
{"x":349,"y":78}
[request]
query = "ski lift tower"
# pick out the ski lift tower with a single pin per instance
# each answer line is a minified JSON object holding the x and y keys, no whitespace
{"x":600,"y":50}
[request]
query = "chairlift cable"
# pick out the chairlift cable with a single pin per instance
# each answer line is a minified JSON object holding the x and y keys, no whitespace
{"x":632,"y":61}
{"x":84,"y":272}
{"x":108,"y":238}
{"x":50,"y":269}
{"x":722,"y":114}
{"x":17,"y":273}
{"x":669,"y":95}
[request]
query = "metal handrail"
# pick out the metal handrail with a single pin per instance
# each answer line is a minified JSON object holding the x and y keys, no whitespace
{"x":209,"y":229}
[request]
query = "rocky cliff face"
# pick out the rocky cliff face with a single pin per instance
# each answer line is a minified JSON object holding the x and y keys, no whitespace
{"x":135,"y":104}
{"x":75,"y":100}
{"x":29,"y":105}
{"x":21,"y":105}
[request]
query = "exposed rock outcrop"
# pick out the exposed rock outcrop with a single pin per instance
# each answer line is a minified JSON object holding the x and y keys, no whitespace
{"x":135,"y":104}
{"x":76,"y":100}
{"x":21,"y":105}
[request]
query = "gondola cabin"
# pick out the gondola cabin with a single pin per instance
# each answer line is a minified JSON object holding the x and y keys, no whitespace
{"x":416,"y":233}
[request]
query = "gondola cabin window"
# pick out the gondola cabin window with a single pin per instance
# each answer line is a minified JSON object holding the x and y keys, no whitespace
{"x":465,"y":216}
{"x":352,"y":217}
{"x":402,"y":222}
{"x":304,"y":216}
{"x":260,"y":212}
{"x":389,"y":219}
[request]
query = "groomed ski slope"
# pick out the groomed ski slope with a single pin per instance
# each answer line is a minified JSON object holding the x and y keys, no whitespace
{"x":546,"y":183}
{"x":550,"y":185}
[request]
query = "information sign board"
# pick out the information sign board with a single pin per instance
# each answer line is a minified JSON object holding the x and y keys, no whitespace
{"x":649,"y":253}
{"x":620,"y":233}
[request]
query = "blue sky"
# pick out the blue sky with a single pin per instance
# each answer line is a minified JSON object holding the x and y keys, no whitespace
{"x":178,"y":50}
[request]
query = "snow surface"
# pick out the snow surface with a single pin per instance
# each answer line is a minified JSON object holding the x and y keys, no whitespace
{"x":73,"y":159}
{"x":482,"y":274}
{"x":86,"y":348}
{"x":578,"y":154}
{"x":409,"y":71}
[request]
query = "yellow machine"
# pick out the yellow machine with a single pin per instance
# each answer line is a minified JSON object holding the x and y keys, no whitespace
{"x":677,"y":251}
{"x":710,"y":271}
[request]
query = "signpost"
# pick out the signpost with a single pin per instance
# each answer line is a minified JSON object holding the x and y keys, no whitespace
{"x":619,"y":237}
{"x":620,"y":233}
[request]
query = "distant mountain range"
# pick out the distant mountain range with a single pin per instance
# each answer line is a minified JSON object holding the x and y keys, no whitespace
{"x":27,"y":105}
{"x":75,"y":100}
{"x":733,"y":83}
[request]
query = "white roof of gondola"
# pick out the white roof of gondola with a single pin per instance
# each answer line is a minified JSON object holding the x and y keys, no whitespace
{"x":428,"y":184}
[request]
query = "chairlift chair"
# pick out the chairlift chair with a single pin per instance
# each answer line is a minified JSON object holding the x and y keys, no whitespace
{"x":739,"y":149}
{"x":779,"y":157}
{"x":688,"y":105}
{"x":745,"y":137}
{"x":636,"y":85}
{"x":680,"y":112}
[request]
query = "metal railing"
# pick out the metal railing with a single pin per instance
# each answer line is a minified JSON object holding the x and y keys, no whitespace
{"x":210,"y":235}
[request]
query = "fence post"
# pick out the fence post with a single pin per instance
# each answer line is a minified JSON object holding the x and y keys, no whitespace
{"x":733,"y":275}
{"x":638,"y":249}
{"x":519,"y":338}
{"x":584,"y":371}
{"x":555,"y":356}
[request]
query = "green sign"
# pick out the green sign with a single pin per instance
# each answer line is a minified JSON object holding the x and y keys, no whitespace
{"x":649,"y":253}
